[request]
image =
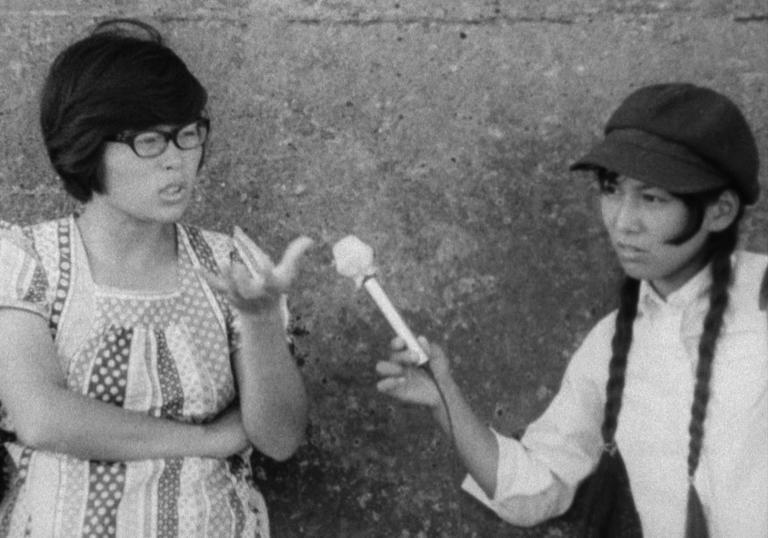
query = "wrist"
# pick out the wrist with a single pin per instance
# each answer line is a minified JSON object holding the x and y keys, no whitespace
{"x":205,"y":440}
{"x":268,"y":315}
{"x":446,"y":386}
{"x":441,"y":376}
{"x":217,"y":440}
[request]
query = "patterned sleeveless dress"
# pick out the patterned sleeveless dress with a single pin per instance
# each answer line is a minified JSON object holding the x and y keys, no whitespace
{"x":163,"y":354}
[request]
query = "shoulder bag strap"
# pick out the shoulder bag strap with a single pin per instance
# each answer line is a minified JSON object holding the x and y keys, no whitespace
{"x":764,"y":291}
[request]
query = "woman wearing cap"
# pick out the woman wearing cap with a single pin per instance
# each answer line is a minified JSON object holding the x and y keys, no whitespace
{"x":135,"y":386}
{"x":673,"y":386}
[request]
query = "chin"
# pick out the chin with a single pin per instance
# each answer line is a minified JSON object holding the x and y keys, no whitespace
{"x":634,"y":270}
{"x":642,"y":273}
{"x":171,"y":216}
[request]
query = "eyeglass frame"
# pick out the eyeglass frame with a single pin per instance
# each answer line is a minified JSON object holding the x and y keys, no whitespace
{"x":128,"y":137}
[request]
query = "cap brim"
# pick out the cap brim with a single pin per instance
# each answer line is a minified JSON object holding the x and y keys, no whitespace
{"x":652,"y":160}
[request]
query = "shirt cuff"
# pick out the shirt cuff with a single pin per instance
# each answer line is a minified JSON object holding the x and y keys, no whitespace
{"x":517,"y":473}
{"x":507,"y":459}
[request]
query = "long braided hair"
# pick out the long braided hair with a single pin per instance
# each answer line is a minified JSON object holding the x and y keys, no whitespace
{"x":718,"y":249}
{"x":620,"y":344}
{"x":722,"y":244}
{"x":609,"y":510}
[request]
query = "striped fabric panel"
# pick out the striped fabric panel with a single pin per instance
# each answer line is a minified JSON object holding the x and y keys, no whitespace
{"x":6,"y":522}
{"x":170,"y":384}
{"x":65,"y":274}
{"x":24,"y":284}
{"x":105,"y":489}
{"x":168,"y":490}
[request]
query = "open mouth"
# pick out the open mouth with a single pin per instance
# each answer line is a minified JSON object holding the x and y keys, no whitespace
{"x":173,"y":192}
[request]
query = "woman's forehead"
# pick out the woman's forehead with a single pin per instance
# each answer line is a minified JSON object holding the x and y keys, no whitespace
{"x":166,"y":127}
{"x":636,"y":184}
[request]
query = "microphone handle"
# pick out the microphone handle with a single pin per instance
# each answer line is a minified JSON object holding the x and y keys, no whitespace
{"x":393,"y":317}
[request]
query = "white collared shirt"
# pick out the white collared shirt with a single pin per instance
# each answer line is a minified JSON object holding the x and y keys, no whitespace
{"x":537,"y":477}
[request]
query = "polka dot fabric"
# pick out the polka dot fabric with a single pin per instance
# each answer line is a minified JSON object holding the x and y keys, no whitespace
{"x":105,"y":489}
{"x":110,"y":369}
{"x":163,"y":354}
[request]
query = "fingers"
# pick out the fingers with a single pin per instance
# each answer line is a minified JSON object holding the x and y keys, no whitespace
{"x":217,"y":282}
{"x":390,"y":384}
{"x":397,"y":344}
{"x":236,"y":282}
{"x":405,"y":357}
{"x":258,"y":262}
{"x":248,"y":285}
{"x":254,"y":258}
{"x":389,"y":368}
{"x":288,"y":267}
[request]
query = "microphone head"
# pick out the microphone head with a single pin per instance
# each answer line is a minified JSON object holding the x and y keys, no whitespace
{"x":353,"y":258}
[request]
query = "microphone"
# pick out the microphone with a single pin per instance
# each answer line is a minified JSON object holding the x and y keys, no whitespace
{"x":354,"y":259}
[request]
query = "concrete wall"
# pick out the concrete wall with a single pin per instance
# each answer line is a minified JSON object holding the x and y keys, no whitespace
{"x":441,"y":136}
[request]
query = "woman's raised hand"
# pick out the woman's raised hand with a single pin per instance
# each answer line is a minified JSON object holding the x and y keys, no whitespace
{"x":256,"y":284}
{"x":402,"y":379}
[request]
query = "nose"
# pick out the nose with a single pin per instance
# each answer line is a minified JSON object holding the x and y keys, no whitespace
{"x":171,"y":157}
{"x":622,"y":213}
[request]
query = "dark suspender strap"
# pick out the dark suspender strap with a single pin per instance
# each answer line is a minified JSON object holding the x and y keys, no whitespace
{"x":764,"y":291}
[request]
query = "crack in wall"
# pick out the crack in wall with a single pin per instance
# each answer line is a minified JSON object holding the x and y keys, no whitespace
{"x":241,"y":16}
{"x":442,"y":21}
{"x":762,"y":17}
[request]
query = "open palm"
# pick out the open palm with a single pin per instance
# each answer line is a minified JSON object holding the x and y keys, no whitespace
{"x":254,"y":283}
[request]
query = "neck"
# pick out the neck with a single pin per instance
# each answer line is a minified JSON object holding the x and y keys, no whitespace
{"x":664,"y":288}
{"x":128,"y":253}
{"x":671,"y":283}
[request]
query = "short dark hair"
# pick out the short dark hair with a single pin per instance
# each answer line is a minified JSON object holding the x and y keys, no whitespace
{"x":120,"y":77}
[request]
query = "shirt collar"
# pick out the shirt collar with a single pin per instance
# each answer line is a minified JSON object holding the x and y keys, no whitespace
{"x":680,"y":299}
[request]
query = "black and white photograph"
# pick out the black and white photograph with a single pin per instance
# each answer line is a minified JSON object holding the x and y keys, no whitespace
{"x":384,"y":269}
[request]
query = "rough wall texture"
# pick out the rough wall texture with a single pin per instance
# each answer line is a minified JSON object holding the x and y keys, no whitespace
{"x":440,"y":135}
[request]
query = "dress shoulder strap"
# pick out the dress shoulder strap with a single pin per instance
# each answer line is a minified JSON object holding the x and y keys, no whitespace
{"x":207,"y":250}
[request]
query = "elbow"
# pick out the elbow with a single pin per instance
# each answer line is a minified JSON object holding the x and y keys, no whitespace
{"x":292,"y":444}
{"x":28,"y":435}
{"x":282,"y":443}
{"x":523,"y":518}
{"x":284,"y":450}
{"x":531,"y":510}
{"x":35,"y":430}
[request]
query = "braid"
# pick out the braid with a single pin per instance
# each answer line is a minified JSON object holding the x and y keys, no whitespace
{"x":622,"y":340}
{"x":722,"y":246}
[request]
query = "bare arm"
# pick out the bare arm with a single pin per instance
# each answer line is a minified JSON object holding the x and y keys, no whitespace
{"x":49,"y":416}
{"x":272,"y":395}
{"x":474,"y":441}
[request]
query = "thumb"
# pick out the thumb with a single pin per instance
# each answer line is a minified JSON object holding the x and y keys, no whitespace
{"x":288,"y":267}
{"x":255,"y":259}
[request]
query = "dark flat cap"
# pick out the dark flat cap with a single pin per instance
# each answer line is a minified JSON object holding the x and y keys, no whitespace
{"x":682,"y":138}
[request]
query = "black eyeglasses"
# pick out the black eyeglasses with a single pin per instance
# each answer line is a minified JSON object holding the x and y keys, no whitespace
{"x":153,"y":142}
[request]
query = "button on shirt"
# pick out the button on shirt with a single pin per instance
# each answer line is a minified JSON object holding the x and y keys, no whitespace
{"x":537,"y":477}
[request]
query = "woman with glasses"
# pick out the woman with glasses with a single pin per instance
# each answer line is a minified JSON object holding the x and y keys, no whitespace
{"x":142,"y":359}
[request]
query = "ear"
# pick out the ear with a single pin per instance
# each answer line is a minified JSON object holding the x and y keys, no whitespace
{"x":722,"y":212}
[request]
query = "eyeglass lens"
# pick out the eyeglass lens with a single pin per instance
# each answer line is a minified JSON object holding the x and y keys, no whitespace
{"x":153,"y":143}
